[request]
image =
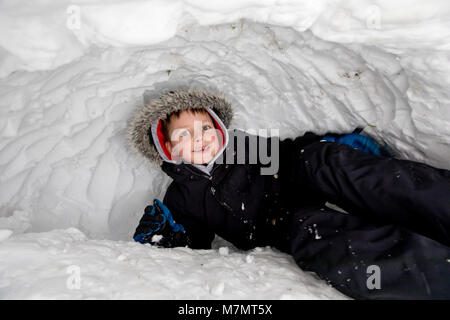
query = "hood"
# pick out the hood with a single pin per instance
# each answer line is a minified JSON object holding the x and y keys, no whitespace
{"x":144,"y":130}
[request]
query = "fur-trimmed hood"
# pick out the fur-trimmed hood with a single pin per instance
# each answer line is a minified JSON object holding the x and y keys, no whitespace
{"x":144,"y":129}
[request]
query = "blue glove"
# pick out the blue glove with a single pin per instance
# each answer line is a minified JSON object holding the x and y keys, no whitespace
{"x":157,"y":220}
{"x":360,"y":142}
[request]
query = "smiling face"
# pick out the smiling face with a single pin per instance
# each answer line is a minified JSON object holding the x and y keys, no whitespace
{"x":193,"y":137}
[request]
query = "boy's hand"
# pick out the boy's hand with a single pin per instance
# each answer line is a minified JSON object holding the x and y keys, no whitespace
{"x":360,"y":142}
{"x":158,"y":228}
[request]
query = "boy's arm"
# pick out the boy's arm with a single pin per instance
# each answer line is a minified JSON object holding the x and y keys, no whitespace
{"x":157,"y":227}
{"x":200,"y":237}
{"x":301,"y":142}
{"x":257,"y":147}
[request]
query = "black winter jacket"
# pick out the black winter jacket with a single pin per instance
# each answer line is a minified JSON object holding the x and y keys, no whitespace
{"x":237,"y":202}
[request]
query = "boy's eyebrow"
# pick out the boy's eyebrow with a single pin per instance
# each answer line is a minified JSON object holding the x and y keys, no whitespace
{"x":202,"y":121}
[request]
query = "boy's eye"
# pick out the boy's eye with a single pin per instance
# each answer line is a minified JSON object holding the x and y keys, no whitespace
{"x":184,"y":133}
{"x":207,"y":127}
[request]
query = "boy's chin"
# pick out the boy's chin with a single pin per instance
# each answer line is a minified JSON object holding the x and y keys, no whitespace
{"x":201,"y":159}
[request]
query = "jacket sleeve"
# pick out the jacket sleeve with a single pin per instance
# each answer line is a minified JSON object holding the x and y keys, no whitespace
{"x":300,"y":142}
{"x":257,"y":146}
{"x":199,"y":236}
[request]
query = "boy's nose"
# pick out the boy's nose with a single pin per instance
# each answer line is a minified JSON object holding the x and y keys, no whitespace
{"x":198,"y":139}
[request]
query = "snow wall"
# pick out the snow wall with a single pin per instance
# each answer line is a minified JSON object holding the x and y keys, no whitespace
{"x":73,"y":72}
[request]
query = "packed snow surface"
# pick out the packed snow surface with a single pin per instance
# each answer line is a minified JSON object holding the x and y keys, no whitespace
{"x":65,"y":264}
{"x":73,"y":72}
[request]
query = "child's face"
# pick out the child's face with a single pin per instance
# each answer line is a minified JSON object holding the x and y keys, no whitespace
{"x":193,"y":137}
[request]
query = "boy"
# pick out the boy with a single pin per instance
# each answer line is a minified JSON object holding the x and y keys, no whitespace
{"x":396,"y":223}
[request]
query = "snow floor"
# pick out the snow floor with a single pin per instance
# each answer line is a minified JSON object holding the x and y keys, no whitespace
{"x":65,"y":264}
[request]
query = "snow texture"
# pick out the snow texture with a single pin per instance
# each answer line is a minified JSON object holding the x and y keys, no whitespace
{"x":65,"y":264}
{"x":73,"y":72}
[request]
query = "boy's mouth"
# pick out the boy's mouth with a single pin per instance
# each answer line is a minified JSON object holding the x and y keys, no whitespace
{"x":203,"y":149}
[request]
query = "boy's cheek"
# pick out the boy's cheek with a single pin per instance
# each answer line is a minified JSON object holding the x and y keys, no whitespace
{"x":212,"y":138}
{"x":210,"y":135}
{"x":177,"y":150}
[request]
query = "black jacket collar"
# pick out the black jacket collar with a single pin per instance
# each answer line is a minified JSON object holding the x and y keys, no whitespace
{"x":182,"y":171}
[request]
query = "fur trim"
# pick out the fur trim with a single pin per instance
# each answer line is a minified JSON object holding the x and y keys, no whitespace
{"x":138,"y":132}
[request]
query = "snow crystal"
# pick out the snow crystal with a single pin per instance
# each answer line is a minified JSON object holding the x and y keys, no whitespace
{"x":316,"y":235}
{"x":156,"y":238}
{"x":224,"y":251}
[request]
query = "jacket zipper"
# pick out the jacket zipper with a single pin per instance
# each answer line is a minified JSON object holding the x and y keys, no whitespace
{"x":202,"y":175}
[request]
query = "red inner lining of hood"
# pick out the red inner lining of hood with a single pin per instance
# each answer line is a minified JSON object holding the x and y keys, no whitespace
{"x":162,"y":140}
